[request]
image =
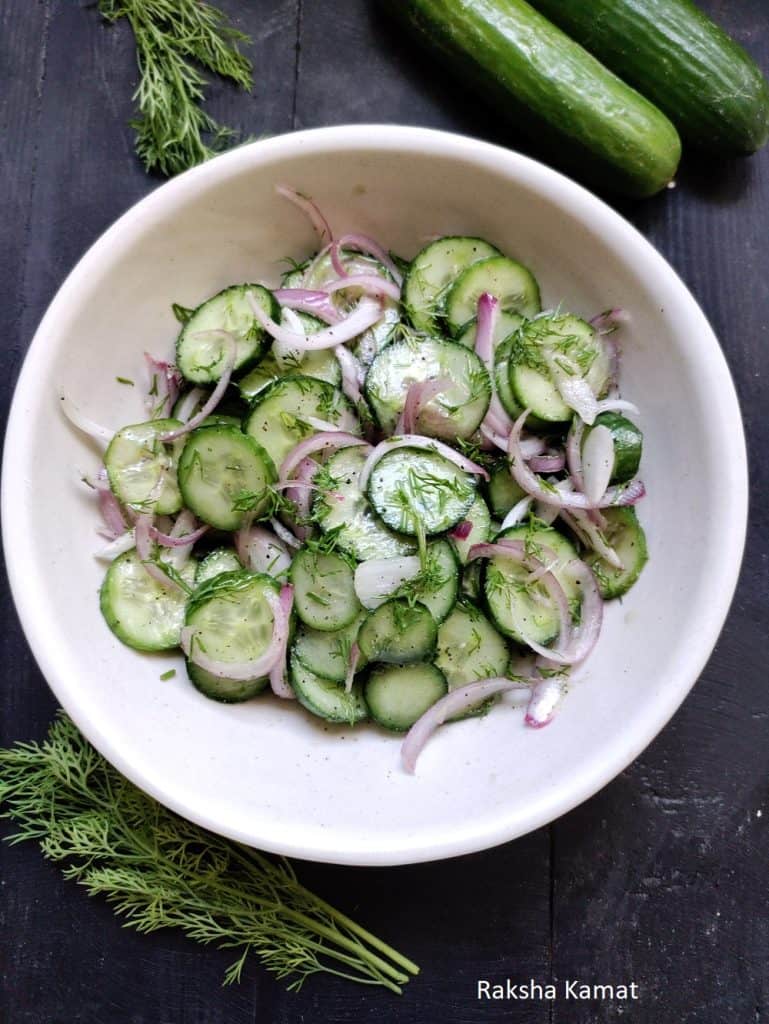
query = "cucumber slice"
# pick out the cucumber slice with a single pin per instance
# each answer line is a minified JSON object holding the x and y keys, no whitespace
{"x":432,"y":272}
{"x":502,"y":490}
{"x":398,"y":632}
{"x":327,"y":654}
{"x":226,"y":691}
{"x":550,"y":348}
{"x":504,"y":327}
{"x":398,"y":695}
{"x":230,"y":616}
{"x":536,"y":537}
{"x":437,"y":585}
{"x":416,"y":491}
{"x":349,"y":515}
{"x":470,"y":648}
{"x":625,"y":534}
{"x":628,"y":445}
{"x":138,"y":609}
{"x":479,"y":517}
{"x":510,"y":282}
{"x":142,"y":470}
{"x":472,"y":581}
{"x":326,"y":699}
{"x":324,"y":589}
{"x":522,"y":609}
{"x":455,"y":412}
{"x":434,"y":584}
{"x":278,"y":417}
{"x":324,"y":365}
{"x":215,"y":563}
{"x":201,"y":354}
{"x":222,"y":471}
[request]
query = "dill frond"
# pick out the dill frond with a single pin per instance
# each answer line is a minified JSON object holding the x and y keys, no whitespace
{"x":175,"y":39}
{"x":158,"y":870}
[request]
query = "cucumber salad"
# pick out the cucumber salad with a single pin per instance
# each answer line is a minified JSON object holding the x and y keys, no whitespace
{"x":389,"y":490}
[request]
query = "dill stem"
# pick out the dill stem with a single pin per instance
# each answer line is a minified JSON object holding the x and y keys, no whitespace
{"x":366,"y":935}
{"x":337,"y":937}
{"x":348,"y":923}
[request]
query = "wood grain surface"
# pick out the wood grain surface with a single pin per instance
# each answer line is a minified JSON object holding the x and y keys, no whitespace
{"x":660,"y":879}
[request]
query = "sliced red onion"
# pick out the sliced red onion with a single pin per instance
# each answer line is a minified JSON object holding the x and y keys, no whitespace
{"x":322,"y":426}
{"x":488,"y":314}
{"x":497,"y":423}
{"x":551,"y":462}
{"x":531,"y":446}
{"x":87,"y":426}
{"x":143,"y":525}
{"x":285,"y":534}
{"x":462,"y":530}
{"x":418,"y":441}
{"x":317,"y":443}
{"x":617,"y":405}
{"x":590,"y":535}
{"x":573,"y":389}
{"x":165,"y":381}
{"x":574,"y":452}
{"x":622,"y":494}
{"x":336,"y":260}
{"x":365,"y":314}
{"x":497,"y":439}
{"x":610,"y":319}
{"x":216,"y":395}
{"x":167,"y":540}
{"x":255,"y":667}
{"x":117,"y":546}
{"x":454,"y":703}
{"x":546,"y":697}
{"x":418,"y":395}
{"x":185,"y":524}
{"x":261,"y":551}
{"x":352,"y":665}
{"x":372,"y":284}
{"x":546,"y":513}
{"x":352,"y":373}
{"x":370,"y":247}
{"x":111,"y":512}
{"x":377,"y":578}
{"x":299,"y":494}
{"x":190,"y":403}
{"x":143,"y":538}
{"x":597,"y":462}
{"x":307,"y":206}
{"x":304,"y":300}
{"x":517,"y":513}
{"x":278,"y":682}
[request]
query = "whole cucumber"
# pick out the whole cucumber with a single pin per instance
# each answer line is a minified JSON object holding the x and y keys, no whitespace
{"x":543,"y":81}
{"x":673,"y":53}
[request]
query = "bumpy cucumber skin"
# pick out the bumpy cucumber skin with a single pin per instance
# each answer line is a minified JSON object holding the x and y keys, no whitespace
{"x":544,"y":82}
{"x":673,"y":53}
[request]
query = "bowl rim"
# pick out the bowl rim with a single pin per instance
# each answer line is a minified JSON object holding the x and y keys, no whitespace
{"x":726,"y":561}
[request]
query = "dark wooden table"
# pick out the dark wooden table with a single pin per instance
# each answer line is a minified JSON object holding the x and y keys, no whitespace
{"x":660,"y":879}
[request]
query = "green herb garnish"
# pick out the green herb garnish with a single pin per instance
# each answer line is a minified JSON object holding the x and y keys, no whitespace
{"x":158,"y":870}
{"x":174,"y":39}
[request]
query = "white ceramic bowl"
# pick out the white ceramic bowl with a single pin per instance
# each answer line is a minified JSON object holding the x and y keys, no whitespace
{"x":266,"y":773}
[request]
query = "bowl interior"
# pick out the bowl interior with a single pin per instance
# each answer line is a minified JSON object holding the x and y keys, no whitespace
{"x":270,"y":774}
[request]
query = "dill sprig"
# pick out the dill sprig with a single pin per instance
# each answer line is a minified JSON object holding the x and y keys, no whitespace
{"x":159,"y":871}
{"x":174,"y":39}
